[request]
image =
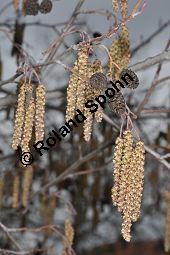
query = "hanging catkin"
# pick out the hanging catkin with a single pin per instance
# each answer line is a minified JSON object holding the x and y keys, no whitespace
{"x":16,"y":191}
{"x":120,"y":48}
{"x":83,"y":79}
{"x":71,"y":93}
{"x":19,"y":116}
{"x":167,"y":223}
{"x":115,"y":5}
{"x":27,"y":131}
{"x":117,"y":161}
{"x":124,"y":8}
{"x":69,"y":236}
{"x":39,"y":113}
{"x":88,"y":123}
{"x":27,"y":180}
{"x":1,"y":190}
{"x":128,"y":180}
{"x":97,"y":68}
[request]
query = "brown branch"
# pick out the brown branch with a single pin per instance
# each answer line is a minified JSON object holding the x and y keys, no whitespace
{"x":160,"y":58}
{"x":152,"y":36}
{"x":152,"y":87}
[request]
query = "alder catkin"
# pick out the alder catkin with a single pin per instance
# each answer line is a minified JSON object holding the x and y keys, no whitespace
{"x":128,"y":180}
{"x":39,"y":113}
{"x":27,"y":131}
{"x":19,"y":116}
{"x":16,"y":191}
{"x":83,"y":79}
{"x":88,"y":123}
{"x":27,"y":181}
{"x":115,"y":5}
{"x":1,"y":190}
{"x":71,"y":93}
{"x":124,"y":8}
{"x":138,"y":159}
{"x":167,"y":223}
{"x":97,"y":68}
{"x":69,"y":235}
{"x":117,"y":161}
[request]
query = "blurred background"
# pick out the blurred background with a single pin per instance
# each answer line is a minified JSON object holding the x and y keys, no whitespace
{"x":84,"y":194}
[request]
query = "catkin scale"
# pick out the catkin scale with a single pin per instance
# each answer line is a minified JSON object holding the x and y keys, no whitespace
{"x":31,"y":7}
{"x":117,"y":104}
{"x":131,"y":84}
{"x":27,"y":180}
{"x":46,"y":6}
{"x":39,"y":113}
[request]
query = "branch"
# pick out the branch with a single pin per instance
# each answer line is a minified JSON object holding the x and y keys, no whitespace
{"x":160,"y":58}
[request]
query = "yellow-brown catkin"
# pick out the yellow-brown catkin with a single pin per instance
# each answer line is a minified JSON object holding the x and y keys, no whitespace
{"x":138,"y":159}
{"x":16,"y":191}
{"x":97,"y":67}
{"x":116,"y":57}
{"x":115,"y":5}
{"x":88,"y":123}
{"x":27,"y":181}
{"x":117,"y":161}
{"x":1,"y":190}
{"x":128,"y":180}
{"x":134,"y":188}
{"x":125,"y":47}
{"x":19,"y":116}
{"x":71,"y":93}
{"x":167,"y":223}
{"x":69,"y":235}
{"x":39,"y":113}
{"x":29,"y":121}
{"x":124,"y":8}
{"x":83,"y":79}
{"x":125,"y":182}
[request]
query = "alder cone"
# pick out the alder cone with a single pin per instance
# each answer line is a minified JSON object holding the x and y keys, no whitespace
{"x":31,"y":7}
{"x":98,"y":80}
{"x":117,"y":104}
{"x":45,"y":6}
{"x":131,"y":84}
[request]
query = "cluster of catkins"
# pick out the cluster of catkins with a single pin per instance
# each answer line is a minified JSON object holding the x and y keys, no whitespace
{"x":167,"y":223}
{"x":20,"y":182}
{"x":88,"y":81}
{"x":32,"y":7}
{"x":29,"y":115}
{"x":128,"y":180}
{"x":80,"y":90}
